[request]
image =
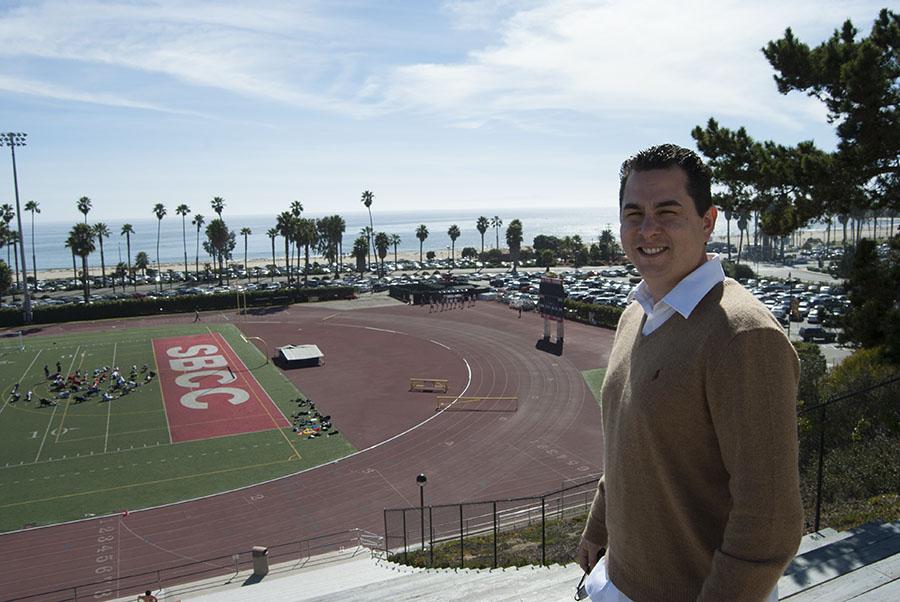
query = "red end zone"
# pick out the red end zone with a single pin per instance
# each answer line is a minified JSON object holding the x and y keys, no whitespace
{"x":203,"y":398}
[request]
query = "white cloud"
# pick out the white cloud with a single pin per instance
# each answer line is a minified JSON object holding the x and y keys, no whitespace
{"x":591,"y":57}
{"x":45,"y":90}
{"x":275,"y":52}
{"x":621,"y":58}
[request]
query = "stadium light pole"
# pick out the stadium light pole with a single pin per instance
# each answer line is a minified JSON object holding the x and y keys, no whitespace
{"x":12,"y":140}
{"x":421,"y":480}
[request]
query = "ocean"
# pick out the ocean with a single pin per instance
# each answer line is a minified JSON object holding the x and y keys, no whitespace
{"x":49,"y":236}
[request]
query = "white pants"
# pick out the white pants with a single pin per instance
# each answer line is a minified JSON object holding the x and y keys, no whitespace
{"x":601,"y":589}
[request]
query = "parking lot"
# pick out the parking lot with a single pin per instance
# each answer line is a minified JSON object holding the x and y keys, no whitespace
{"x":810,"y":299}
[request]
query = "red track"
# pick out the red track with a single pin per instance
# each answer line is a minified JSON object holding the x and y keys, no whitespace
{"x":467,"y":456}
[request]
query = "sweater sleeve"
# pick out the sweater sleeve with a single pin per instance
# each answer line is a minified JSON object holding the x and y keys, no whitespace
{"x":595,"y":529}
{"x":752,"y":393}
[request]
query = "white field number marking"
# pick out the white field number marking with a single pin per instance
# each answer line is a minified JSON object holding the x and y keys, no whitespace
{"x":200,"y":361}
{"x":106,"y":554}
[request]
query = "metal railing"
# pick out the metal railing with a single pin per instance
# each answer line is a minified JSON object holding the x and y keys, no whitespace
{"x":822,"y":424}
{"x":179,"y":574}
{"x":484,"y":533}
{"x":412,"y":534}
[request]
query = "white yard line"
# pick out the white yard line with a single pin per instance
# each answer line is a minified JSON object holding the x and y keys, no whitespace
{"x":44,"y":440}
{"x":109,"y":403}
{"x":23,"y":376}
{"x":66,"y":411}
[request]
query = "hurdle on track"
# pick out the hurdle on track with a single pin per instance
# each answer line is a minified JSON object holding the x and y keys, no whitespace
{"x":476,"y":404}
{"x":428,"y":385}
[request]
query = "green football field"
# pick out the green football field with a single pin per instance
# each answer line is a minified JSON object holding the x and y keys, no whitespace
{"x":71,"y":460}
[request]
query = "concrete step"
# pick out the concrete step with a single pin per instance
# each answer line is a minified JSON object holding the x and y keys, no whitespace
{"x":820,"y":539}
{"x":874,"y":577}
{"x":864,"y":546}
{"x":889,"y":592}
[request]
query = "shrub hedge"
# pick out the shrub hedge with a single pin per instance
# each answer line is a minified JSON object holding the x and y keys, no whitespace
{"x":147,"y":306}
{"x":595,"y":315}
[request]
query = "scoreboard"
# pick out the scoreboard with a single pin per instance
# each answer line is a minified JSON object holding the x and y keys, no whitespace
{"x":552,"y":298}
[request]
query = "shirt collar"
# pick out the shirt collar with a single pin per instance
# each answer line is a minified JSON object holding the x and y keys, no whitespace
{"x":687,"y":293}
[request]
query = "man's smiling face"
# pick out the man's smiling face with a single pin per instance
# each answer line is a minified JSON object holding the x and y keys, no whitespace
{"x":661,"y":232}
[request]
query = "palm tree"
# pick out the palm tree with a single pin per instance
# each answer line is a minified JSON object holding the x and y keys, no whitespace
{"x":70,"y":244}
{"x":183,"y":210}
{"x":82,"y":239}
{"x":296,"y":208}
{"x":382,"y":243}
{"x":7,"y":213}
{"x":453,"y":233}
{"x":421,"y":234}
{"x":12,"y":239}
{"x":142,"y":262}
{"x":245,"y":232}
{"x":159,"y":210}
{"x":482,"y":225}
{"x":283,"y":225}
{"x":221,"y":241}
{"x":198,"y":221}
{"x":101,"y":230}
{"x":743,"y":222}
{"x":326,"y":245}
{"x":361,"y":248}
{"x":367,"y":198}
{"x":394,"y":239}
{"x":306,"y":235}
{"x":127,"y":231}
{"x":340,"y":226}
{"x":514,"y":241}
{"x":34,"y":208}
{"x":5,"y":279}
{"x":218,"y":204}
{"x":272,"y":233}
{"x":84,"y":205}
{"x":367,"y":232}
{"x":496,"y":222}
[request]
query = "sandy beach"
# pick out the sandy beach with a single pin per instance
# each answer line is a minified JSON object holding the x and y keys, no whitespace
{"x":349,"y":262}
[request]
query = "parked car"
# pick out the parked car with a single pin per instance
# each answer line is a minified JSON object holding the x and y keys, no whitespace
{"x":812,"y":334}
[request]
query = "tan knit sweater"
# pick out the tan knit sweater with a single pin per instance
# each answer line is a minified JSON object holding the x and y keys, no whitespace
{"x":700,"y":499}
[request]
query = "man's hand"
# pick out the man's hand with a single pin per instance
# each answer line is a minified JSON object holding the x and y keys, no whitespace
{"x":588,"y":554}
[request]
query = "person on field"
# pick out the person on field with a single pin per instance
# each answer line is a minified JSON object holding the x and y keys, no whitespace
{"x":700,"y":497}
{"x":196,"y":315}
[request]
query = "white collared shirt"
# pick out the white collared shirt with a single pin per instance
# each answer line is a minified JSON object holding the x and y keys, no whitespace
{"x":683,"y":298}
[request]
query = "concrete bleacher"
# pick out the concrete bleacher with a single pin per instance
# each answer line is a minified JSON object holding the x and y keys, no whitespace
{"x":862,"y":564}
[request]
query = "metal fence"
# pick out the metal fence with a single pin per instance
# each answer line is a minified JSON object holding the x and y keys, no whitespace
{"x":229,"y":564}
{"x":506,"y":532}
{"x":489,"y":534}
{"x":843,"y":415}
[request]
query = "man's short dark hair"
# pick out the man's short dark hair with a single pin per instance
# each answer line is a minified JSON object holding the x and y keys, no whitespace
{"x":666,"y":156}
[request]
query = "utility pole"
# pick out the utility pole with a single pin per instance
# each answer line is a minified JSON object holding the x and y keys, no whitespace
{"x":12,"y":140}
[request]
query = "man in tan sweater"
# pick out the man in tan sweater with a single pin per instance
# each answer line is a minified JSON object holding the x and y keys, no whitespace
{"x":700,"y":497}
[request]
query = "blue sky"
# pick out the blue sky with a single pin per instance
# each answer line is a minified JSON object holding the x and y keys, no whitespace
{"x":432,"y":105}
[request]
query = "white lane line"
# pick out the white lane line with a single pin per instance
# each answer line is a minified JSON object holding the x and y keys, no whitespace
{"x":391,"y":485}
{"x":49,"y":424}
{"x":441,"y":344}
{"x":382,"y":330}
